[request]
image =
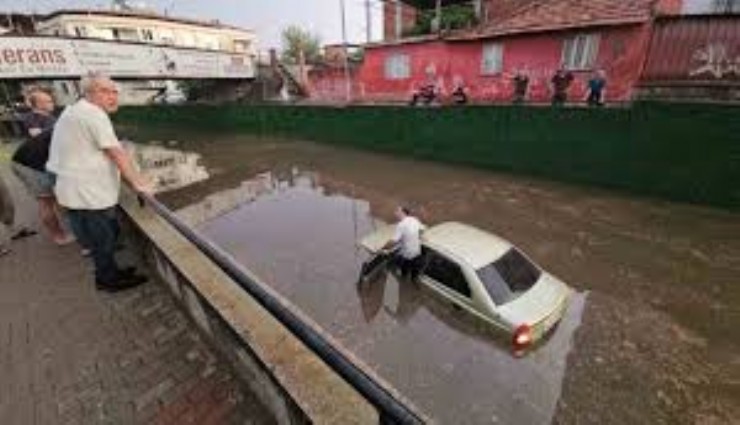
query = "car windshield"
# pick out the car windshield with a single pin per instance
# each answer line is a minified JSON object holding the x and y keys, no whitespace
{"x":508,"y":277}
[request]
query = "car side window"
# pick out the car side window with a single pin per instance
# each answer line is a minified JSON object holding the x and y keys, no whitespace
{"x":446,"y":273}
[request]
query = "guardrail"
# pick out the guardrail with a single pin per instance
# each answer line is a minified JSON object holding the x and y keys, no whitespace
{"x":390,"y":409}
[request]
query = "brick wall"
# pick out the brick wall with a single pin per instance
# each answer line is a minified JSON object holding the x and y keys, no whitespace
{"x":669,"y":7}
{"x":494,"y":10}
{"x":408,"y":19}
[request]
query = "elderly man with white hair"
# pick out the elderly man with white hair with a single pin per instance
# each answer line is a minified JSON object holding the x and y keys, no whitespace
{"x":89,"y":161}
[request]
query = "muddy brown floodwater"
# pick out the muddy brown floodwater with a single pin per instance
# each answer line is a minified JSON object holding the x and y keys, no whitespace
{"x":652,"y":336}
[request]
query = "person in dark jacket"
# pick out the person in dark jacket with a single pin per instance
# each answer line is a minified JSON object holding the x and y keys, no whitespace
{"x":560,"y":84}
{"x":29,"y":163}
{"x":521,"y":83}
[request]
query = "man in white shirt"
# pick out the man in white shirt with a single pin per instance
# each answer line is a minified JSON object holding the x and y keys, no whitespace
{"x":88,"y":161}
{"x":408,"y":241}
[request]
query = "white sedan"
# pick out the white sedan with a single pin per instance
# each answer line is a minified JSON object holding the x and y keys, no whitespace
{"x":488,"y":277}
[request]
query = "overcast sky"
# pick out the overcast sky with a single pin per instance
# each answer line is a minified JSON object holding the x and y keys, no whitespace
{"x":266,"y":17}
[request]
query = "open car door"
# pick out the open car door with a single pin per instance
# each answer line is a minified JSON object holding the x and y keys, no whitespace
{"x":379,"y":259}
{"x":375,"y":241}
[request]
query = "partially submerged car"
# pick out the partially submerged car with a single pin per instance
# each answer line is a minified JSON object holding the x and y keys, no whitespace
{"x":486,"y":276}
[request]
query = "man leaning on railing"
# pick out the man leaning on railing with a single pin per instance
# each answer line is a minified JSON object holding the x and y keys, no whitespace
{"x":88,"y":161}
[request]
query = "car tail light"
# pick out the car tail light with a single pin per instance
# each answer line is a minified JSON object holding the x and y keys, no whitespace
{"x":522,"y":337}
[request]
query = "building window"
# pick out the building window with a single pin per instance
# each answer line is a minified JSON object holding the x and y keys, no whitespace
{"x":492,"y":61}
{"x":397,"y":67}
{"x":147,"y":35}
{"x":80,"y":32}
{"x":125,"y":34}
{"x":580,"y":51}
{"x":726,"y":6}
{"x":240,"y":46}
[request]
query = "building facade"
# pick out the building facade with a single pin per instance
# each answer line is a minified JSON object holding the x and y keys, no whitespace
{"x":145,"y":27}
{"x":519,"y":36}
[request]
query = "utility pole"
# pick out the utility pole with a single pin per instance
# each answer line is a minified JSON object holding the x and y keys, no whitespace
{"x":346,"y":53}
{"x":439,"y":15}
{"x":368,"y":21}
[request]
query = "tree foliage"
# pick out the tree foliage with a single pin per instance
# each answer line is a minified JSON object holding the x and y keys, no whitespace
{"x":295,"y":40}
{"x":453,"y":17}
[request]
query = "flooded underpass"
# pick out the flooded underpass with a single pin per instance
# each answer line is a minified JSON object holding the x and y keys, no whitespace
{"x":650,"y":338}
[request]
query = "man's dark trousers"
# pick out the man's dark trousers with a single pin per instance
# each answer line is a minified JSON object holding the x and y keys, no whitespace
{"x":99,"y":229}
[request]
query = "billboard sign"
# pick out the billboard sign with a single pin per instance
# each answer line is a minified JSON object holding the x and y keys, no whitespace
{"x":49,"y":57}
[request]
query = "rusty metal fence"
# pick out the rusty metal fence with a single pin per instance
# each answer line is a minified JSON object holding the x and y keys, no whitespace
{"x":694,"y":57}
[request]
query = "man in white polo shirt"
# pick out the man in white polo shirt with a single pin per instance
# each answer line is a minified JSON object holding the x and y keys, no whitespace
{"x":407,"y":239}
{"x":88,"y":161}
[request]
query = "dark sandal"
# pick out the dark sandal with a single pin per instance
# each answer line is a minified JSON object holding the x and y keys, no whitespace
{"x":24,"y":233}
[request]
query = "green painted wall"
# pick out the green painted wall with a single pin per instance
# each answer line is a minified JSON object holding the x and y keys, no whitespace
{"x":675,"y":151}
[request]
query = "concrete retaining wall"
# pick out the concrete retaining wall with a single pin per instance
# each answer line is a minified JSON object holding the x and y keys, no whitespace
{"x":287,"y":377}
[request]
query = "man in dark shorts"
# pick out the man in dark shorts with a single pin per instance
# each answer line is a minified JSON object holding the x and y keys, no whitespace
{"x":561,"y":82}
{"x":29,"y":163}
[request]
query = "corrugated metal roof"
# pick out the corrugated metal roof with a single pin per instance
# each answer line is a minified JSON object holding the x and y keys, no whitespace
{"x":552,"y":15}
{"x":405,"y":40}
{"x":694,"y":49}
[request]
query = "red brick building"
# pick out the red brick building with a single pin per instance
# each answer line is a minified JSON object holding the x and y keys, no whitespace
{"x":536,"y":36}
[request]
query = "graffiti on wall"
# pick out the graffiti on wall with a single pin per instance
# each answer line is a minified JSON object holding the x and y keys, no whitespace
{"x":715,"y":60}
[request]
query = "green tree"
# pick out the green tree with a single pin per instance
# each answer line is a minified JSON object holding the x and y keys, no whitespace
{"x":453,"y":17}
{"x":295,"y":40}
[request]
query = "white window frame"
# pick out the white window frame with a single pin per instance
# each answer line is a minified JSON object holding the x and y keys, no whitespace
{"x":581,"y":51}
{"x":397,"y":66}
{"x":492,"y":59}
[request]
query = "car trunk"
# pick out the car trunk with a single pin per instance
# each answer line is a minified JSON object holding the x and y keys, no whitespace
{"x":541,"y":307}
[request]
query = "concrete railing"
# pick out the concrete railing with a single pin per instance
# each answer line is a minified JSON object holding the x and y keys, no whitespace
{"x":295,"y":369}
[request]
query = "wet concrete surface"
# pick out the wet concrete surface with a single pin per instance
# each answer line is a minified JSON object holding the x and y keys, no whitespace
{"x":657,"y":340}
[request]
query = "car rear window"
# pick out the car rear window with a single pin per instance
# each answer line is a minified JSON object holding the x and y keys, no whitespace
{"x":508,"y":277}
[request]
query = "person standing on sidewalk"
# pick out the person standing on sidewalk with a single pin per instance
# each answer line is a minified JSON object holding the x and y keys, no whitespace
{"x":89,"y":161}
{"x":7,"y":216}
{"x":560,"y":84}
{"x":9,"y":230}
{"x":29,"y":163}
{"x":596,"y":92}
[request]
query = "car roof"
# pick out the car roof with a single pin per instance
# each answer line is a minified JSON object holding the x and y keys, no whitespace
{"x":476,"y":247}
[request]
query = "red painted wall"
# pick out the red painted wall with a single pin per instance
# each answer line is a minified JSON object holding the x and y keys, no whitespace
{"x":330,"y":85}
{"x":621,"y":54}
{"x":371,"y":76}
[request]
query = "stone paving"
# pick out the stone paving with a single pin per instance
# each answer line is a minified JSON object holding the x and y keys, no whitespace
{"x":72,"y":355}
